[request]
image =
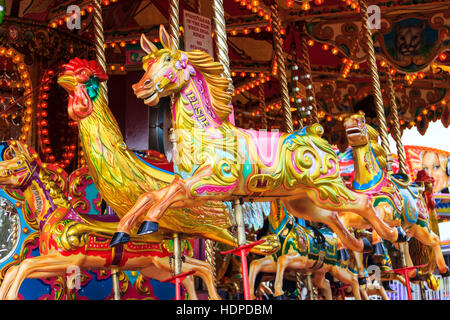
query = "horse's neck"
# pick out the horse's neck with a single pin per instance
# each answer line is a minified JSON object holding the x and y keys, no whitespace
{"x":276,"y":217}
{"x":367,"y":169}
{"x":193,"y":106}
{"x":39,"y":201}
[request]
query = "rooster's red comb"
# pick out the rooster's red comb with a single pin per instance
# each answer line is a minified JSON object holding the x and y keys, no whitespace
{"x":77,"y":63}
{"x":422,"y":176}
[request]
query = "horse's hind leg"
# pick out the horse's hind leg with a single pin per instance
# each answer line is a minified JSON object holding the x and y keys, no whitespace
{"x":266,"y":264}
{"x":201,"y":268}
{"x":8,"y":281}
{"x":294,"y":261}
{"x":204,"y":271}
{"x":153,"y":272}
{"x":346,"y":276}
{"x":50,"y":265}
{"x":323,"y":284}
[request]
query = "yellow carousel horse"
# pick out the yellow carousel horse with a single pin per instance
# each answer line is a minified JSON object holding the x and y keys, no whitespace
{"x":397,"y":201}
{"x":214,"y":160}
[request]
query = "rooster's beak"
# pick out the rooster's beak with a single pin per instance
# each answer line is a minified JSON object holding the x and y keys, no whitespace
{"x":68,"y":82}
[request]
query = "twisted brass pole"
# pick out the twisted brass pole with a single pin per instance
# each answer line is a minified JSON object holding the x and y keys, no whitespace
{"x":305,"y":63}
{"x":262,"y":106}
{"x":221,"y":41}
{"x":210,"y":252}
{"x":276,"y":26}
{"x":396,"y":126}
{"x":99,"y":42}
{"x":371,"y":59}
{"x":174,"y":24}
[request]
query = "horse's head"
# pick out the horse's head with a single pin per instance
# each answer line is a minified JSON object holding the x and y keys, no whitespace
{"x":356,"y":129}
{"x":17,"y":165}
{"x":81,"y":80}
{"x":167,"y":70}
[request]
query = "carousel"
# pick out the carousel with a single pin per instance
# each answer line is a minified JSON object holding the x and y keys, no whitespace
{"x":223,"y":150}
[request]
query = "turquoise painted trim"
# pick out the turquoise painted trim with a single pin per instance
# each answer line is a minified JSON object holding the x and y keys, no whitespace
{"x":247,"y":168}
{"x":280,"y":226}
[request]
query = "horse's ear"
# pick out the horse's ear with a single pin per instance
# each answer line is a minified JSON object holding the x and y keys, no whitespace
{"x":165,"y":38}
{"x":21,"y":148}
{"x":147,"y":45}
{"x":13,"y":145}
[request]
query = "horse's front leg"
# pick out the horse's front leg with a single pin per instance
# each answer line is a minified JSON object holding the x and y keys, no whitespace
{"x":182,"y":193}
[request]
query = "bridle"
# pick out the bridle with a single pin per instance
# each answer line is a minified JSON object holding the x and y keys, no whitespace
{"x":30,"y":169}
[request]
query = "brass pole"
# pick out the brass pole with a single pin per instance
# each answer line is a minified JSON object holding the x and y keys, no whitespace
{"x":276,"y":27}
{"x":298,"y":283}
{"x":115,"y":280}
{"x":305,"y":63}
{"x":397,"y":134}
{"x":371,"y":59}
{"x":262,"y":106}
{"x":309,"y":286}
{"x":221,"y":41}
{"x":210,"y":252}
{"x":239,"y":215}
{"x":99,"y":44}
{"x":174,"y":24}
{"x":177,"y":253}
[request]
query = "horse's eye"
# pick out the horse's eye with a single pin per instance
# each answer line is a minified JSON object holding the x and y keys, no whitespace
{"x":19,"y":162}
{"x":168,"y":58}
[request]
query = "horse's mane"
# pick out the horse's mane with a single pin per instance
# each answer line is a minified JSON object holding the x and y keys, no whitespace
{"x":378,"y":150}
{"x":218,"y":85}
{"x":54,"y":182}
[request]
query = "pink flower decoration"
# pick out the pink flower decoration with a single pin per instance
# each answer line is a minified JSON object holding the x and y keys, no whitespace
{"x":187,"y":68}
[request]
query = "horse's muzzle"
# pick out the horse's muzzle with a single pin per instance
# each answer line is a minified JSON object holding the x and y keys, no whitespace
{"x":5,"y":173}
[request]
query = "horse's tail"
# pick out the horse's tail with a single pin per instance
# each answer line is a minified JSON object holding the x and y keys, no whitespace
{"x":422,"y":254}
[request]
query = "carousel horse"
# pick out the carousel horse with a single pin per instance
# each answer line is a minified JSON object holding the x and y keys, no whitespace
{"x":302,"y":249}
{"x":60,"y":247}
{"x":121,"y":175}
{"x":214,"y":160}
{"x":398,"y":202}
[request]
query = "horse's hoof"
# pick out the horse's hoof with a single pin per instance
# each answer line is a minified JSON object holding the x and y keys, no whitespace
{"x":343,"y":255}
{"x":119,"y":238}
{"x":147,"y":227}
{"x":446,"y":273}
{"x":280,"y":297}
{"x":378,"y":249}
{"x":362,"y":281}
{"x":387,"y":286}
{"x":401,"y":235}
{"x":367,"y":245}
